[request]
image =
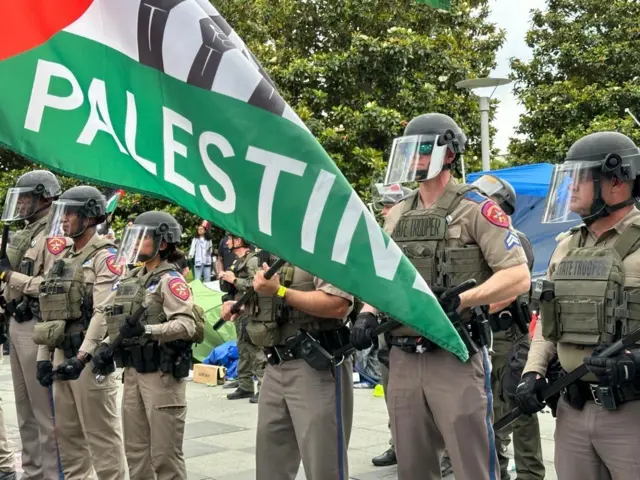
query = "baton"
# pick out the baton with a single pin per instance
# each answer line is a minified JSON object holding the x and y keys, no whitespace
{"x":572,"y":377}
{"x":391,"y":324}
{"x":132,"y":320}
{"x":246,"y":296}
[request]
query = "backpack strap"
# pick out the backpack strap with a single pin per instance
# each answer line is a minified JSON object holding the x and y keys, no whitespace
{"x":578,"y":236}
{"x":629,"y":241}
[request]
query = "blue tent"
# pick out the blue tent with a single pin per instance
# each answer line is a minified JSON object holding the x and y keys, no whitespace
{"x":531,"y":183}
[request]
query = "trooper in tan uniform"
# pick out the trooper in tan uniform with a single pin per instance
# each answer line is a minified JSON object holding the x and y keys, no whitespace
{"x":436,"y":401}
{"x":305,"y":409}
{"x":29,"y":257}
{"x":509,"y":324}
{"x":87,"y":423}
{"x":251,"y":359}
{"x":155,"y":351}
{"x":594,"y":279}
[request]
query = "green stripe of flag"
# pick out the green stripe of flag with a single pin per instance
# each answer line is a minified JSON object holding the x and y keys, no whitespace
{"x":439,"y":4}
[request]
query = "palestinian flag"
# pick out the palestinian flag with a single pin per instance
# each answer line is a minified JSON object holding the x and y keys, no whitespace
{"x":112,"y":203}
{"x":163,"y":98}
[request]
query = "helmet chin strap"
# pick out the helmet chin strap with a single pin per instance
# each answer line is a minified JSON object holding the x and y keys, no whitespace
{"x":599,"y":208}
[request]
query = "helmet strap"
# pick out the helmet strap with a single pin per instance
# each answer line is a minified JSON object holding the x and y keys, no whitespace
{"x":599,"y":209}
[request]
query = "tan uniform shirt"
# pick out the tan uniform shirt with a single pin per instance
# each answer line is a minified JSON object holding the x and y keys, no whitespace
{"x":44,"y":252}
{"x":100,"y":278}
{"x":571,"y":355}
{"x":476,"y":222}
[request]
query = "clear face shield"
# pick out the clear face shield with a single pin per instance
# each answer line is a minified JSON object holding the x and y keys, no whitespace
{"x":415,"y":158}
{"x":66,"y":219}
{"x":571,"y":192}
{"x":387,"y":195}
{"x":139,"y":244}
{"x":20,"y":203}
{"x":490,"y":185}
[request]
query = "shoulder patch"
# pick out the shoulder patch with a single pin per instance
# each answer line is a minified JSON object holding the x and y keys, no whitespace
{"x":173,"y":273}
{"x":512,"y":240}
{"x":115,"y":285}
{"x":180,"y":289}
{"x":153,"y":287}
{"x":475,"y":197}
{"x":55,"y":245}
{"x":112,"y":250}
{"x":111,"y":265}
{"x":494,"y":214}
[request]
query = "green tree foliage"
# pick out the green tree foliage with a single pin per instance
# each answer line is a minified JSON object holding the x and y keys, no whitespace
{"x":357,"y":71}
{"x":584,"y":72}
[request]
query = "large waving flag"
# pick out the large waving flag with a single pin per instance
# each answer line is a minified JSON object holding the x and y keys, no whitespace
{"x":162,"y":97}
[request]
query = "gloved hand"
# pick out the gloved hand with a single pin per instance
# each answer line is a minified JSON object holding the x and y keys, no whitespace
{"x":528,"y":393}
{"x":103,"y":362}
{"x":44,"y":375}
{"x":613,"y":371}
{"x":70,"y":369}
{"x":363,"y":330}
{"x":131,"y":331}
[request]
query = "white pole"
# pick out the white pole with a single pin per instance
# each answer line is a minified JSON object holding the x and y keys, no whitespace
{"x":484,"y":132}
{"x":632,"y":116}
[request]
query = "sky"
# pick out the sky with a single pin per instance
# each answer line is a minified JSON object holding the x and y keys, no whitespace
{"x":514,"y":17}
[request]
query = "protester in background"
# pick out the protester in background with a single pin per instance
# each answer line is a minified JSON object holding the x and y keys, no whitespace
{"x":201,"y":253}
{"x":182,"y":263}
{"x":225,"y":256}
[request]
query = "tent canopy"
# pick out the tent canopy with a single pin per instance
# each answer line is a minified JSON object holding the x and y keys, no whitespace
{"x":531,"y":183}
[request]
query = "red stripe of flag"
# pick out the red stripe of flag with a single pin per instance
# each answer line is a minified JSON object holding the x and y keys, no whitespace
{"x":27,"y":24}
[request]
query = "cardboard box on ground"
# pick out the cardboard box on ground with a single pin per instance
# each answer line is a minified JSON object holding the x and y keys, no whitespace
{"x":209,"y":374}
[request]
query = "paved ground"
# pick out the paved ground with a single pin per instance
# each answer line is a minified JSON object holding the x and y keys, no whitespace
{"x":220,"y":434}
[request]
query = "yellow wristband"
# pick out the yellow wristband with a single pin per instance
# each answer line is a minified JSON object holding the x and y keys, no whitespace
{"x":281,"y":291}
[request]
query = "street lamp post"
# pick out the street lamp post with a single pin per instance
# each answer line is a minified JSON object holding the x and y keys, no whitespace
{"x":483,"y":100}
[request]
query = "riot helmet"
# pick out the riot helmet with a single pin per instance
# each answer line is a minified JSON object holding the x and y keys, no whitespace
{"x":22,"y":201}
{"x":143,"y":240}
{"x":420,"y":154}
{"x":500,"y":190}
{"x":76,"y":210}
{"x":589,"y":161}
{"x":383,"y":197}
{"x":231,"y":238}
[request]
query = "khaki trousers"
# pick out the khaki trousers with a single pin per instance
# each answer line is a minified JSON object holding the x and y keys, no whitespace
{"x":33,"y":406}
{"x":436,"y":401}
{"x":597,"y":444}
{"x":304,"y":414}
{"x":7,"y":461}
{"x":88,"y":426}
{"x":154,"y":410}
{"x":384,"y":373}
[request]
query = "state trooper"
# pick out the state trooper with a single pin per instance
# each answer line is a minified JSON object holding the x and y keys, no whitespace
{"x":451,"y":233}
{"x":156,"y":350}
{"x":29,"y":256}
{"x":509,"y":324}
{"x":305,"y":410}
{"x":589,"y":300}
{"x":87,"y":423}
{"x":251,"y":359}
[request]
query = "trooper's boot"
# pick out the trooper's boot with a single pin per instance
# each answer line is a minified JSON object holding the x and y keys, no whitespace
{"x":255,"y":398}
{"x":233,"y":384}
{"x":446,"y":468}
{"x":8,"y":476}
{"x":386,"y":459}
{"x":240,"y":393}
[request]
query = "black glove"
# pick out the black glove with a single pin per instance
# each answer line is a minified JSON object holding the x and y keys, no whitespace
{"x":128,"y":331}
{"x":102,"y":361}
{"x":5,"y":265}
{"x":3,"y":329}
{"x":44,"y":373}
{"x":363,"y":330}
{"x":70,"y":369}
{"x":613,"y":371}
{"x":528,"y":393}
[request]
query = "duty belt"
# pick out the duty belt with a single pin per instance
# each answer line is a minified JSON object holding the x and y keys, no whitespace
{"x":604,"y":396}
{"x":501,"y":322}
{"x":413,"y":344}
{"x":330,"y":340}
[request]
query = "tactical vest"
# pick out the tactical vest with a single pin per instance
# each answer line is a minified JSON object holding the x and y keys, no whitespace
{"x":63,"y":293}
{"x":239,"y":268}
{"x":423,"y":236}
{"x":585,"y":302}
{"x":271,"y":320}
{"x":20,"y":243}
{"x":131,"y":294}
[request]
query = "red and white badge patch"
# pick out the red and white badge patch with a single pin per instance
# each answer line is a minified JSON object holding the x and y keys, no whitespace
{"x":56,"y":245}
{"x":179,"y":289}
{"x":112,"y":266}
{"x":492,"y":212}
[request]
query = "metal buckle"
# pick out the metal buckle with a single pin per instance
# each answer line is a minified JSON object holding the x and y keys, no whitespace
{"x":593,"y":387}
